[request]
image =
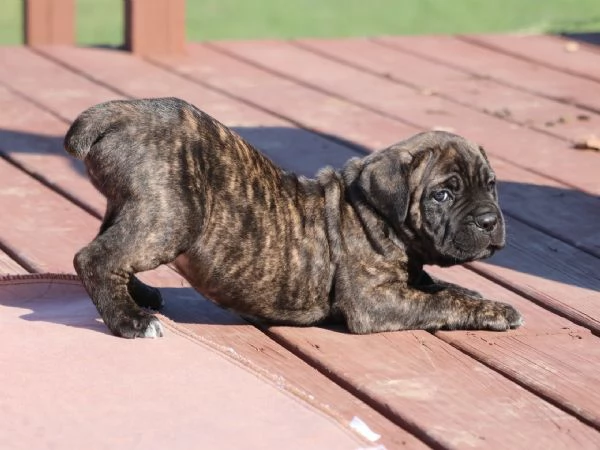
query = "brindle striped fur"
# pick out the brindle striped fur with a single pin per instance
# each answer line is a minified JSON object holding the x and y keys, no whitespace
{"x":348,"y":246}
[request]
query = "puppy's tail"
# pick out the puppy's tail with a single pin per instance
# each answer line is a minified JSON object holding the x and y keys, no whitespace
{"x":92,"y":125}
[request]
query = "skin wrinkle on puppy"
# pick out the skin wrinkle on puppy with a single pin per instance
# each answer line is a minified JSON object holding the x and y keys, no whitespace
{"x":345,"y":247}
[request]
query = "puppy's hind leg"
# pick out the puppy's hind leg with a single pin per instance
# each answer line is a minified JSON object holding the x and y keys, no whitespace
{"x":144,"y":295}
{"x":106,"y":268}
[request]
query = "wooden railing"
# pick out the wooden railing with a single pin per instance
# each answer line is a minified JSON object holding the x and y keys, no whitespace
{"x":152,"y":27}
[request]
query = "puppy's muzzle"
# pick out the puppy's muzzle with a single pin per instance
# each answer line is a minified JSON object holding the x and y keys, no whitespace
{"x":486,"y":221}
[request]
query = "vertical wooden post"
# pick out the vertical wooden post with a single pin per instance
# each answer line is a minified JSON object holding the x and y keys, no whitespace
{"x":155,"y":27}
{"x":48,"y":22}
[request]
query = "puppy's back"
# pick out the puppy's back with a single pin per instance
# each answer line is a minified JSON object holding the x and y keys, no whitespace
{"x":105,"y":118}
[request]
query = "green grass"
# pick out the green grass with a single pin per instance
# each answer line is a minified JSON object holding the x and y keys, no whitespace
{"x":100,"y":21}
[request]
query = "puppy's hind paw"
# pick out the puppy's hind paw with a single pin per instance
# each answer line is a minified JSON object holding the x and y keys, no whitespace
{"x":139,"y":325}
{"x":154,"y":329}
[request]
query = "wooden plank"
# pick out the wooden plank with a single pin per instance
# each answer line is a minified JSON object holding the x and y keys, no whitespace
{"x":551,"y":51}
{"x":484,"y":94}
{"x":37,"y":211}
{"x":283,"y":97}
{"x":538,"y":342}
{"x":64,"y":228}
{"x":482,"y":62}
{"x":549,"y":206}
{"x":550,"y":272}
{"x":32,"y":139}
{"x":415,"y":376}
{"x":542,"y":320}
{"x":9,"y":266}
{"x":543,"y":154}
{"x":43,"y":82}
{"x":49,"y":22}
{"x":269,"y":132}
{"x":545,"y":362}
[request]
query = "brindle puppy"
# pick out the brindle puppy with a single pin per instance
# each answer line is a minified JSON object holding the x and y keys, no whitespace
{"x":348,"y":246}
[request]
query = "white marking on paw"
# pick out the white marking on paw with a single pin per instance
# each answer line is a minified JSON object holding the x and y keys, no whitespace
{"x":154,"y":330}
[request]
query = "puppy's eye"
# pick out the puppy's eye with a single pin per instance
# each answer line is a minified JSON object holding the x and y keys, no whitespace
{"x":441,"y":196}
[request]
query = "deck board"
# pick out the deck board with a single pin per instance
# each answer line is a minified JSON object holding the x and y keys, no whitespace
{"x":482,"y":94}
{"x":9,"y":266}
{"x":322,"y":107}
{"x":544,"y":154}
{"x":555,"y":52}
{"x":409,"y":374}
{"x":483,"y":62}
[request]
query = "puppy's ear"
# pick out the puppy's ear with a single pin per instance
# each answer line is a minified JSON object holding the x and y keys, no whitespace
{"x":384,"y":182}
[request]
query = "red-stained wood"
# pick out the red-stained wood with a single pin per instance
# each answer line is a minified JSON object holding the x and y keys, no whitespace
{"x":40,"y":215}
{"x":155,"y":27}
{"x":409,"y":374}
{"x":539,"y":322}
{"x":9,"y":266}
{"x":531,"y":150}
{"x":548,"y":363}
{"x":550,"y":272}
{"x":482,"y":62}
{"x":49,"y":22}
{"x":480,"y":93}
{"x":32,"y":139}
{"x":537,"y":341}
{"x":559,"y":53}
{"x":43,"y":229}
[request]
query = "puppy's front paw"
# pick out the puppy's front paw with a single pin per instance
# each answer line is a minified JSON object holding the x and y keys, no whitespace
{"x":138,"y":324}
{"x":498,"y":316}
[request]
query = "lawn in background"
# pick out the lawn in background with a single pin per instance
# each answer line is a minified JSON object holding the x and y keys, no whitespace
{"x":100,"y":21}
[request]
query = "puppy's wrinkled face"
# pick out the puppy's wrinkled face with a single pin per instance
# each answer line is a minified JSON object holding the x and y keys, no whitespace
{"x":438,"y":191}
{"x":458,"y":216}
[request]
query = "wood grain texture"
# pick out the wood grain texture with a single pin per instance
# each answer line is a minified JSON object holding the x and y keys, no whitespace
{"x":528,"y":149}
{"x":551,"y":364}
{"x":464,"y":390}
{"x":558,"y":53}
{"x":479,"y":93}
{"x":9,"y":266}
{"x":512,"y":71}
{"x":408,"y":374}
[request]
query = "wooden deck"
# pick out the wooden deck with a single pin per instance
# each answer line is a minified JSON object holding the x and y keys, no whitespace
{"x":312,"y":103}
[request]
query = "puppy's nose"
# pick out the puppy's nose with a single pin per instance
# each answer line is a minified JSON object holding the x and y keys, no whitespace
{"x":487,"y":221}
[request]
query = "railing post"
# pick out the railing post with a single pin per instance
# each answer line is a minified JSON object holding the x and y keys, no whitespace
{"x":49,"y":22}
{"x":155,"y":27}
